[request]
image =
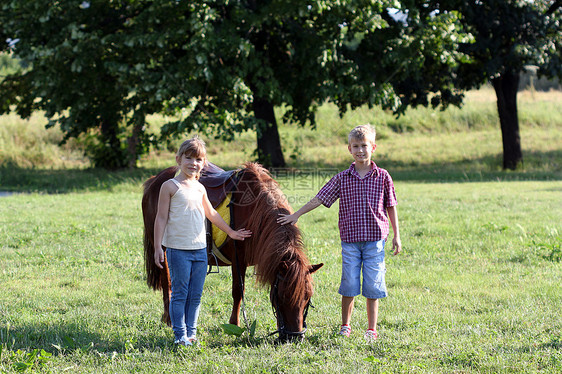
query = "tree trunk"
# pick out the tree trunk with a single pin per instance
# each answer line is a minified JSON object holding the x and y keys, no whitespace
{"x":109,"y":155}
{"x":134,"y":139}
{"x":270,"y":153}
{"x":506,"y":92}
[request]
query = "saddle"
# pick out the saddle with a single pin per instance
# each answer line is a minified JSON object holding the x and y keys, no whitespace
{"x":217,"y":182}
{"x":219,"y":185}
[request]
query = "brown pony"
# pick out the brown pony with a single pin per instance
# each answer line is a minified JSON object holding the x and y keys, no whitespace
{"x":276,"y":251}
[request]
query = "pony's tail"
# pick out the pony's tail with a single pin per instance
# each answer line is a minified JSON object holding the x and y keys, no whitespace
{"x":149,"y":210}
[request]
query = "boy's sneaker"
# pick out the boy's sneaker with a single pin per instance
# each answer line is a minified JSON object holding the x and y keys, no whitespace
{"x":371,"y":335}
{"x":345,"y":330}
{"x":183,"y":341}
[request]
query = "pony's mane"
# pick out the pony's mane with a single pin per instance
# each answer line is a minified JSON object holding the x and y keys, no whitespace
{"x":281,"y":246}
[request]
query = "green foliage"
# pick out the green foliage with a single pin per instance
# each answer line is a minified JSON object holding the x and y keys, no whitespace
{"x":550,"y":251}
{"x":101,"y":67}
{"x":30,"y":361}
{"x":507,"y":36}
{"x":8,"y":65}
{"x":413,"y":59}
{"x":231,"y":329}
{"x":417,"y":145}
{"x":28,"y":144}
{"x":76,"y":73}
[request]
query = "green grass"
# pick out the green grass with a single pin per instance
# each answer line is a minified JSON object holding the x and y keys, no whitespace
{"x":27,"y":144}
{"x":454,"y":145}
{"x":477,"y":288}
{"x":468,"y":138}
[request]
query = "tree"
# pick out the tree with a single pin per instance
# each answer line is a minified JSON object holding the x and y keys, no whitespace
{"x":73,"y":73}
{"x":251,"y":57}
{"x":508,"y":35}
{"x":255,"y":57}
{"x":435,"y":50}
{"x":415,"y":55}
{"x":100,"y":67}
{"x":224,"y":66}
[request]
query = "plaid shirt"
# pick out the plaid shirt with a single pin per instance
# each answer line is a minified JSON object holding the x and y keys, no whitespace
{"x":363,"y":203}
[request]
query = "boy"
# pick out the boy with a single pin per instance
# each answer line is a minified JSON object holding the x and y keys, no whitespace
{"x":367,"y":204}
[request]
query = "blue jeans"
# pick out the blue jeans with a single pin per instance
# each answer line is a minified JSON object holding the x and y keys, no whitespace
{"x":188,"y":269}
{"x":366,"y":256}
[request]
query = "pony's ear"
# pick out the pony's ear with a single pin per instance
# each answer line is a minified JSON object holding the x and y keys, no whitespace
{"x":314,"y":268}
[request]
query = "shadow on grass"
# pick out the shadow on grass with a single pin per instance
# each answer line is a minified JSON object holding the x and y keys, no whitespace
{"x":72,"y":337}
{"x":69,"y":180}
{"x":537,"y":166}
{"x":64,"y":338}
{"x":555,"y":343}
{"x":245,"y":341}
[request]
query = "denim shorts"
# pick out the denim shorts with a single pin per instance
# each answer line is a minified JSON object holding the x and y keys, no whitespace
{"x":366,"y":257}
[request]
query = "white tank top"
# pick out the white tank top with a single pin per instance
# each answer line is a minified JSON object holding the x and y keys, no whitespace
{"x":185,"y":228}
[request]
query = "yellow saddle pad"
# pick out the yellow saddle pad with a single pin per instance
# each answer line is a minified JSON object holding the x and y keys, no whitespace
{"x":219,"y":236}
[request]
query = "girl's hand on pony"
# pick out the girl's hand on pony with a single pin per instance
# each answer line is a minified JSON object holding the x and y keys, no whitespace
{"x":240,"y":234}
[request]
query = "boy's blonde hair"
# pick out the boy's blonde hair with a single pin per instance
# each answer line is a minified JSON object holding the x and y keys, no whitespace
{"x":194,"y":147}
{"x":363,"y":132}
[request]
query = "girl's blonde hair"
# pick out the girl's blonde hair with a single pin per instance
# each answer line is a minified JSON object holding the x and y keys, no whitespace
{"x":194,"y":147}
{"x":363,"y":132}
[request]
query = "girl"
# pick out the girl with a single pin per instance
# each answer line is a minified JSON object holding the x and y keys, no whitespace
{"x":180,"y":227}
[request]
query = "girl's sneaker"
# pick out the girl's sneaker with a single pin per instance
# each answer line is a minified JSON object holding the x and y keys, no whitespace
{"x":345,"y":330}
{"x":371,"y":335}
{"x":183,"y":341}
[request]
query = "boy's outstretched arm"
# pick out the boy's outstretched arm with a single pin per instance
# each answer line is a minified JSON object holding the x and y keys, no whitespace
{"x":393,"y":217}
{"x":293,"y":218}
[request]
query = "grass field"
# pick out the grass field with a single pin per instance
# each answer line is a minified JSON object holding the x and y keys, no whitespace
{"x":476,"y":289}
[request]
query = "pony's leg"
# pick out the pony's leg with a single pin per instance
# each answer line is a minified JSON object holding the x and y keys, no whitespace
{"x":165,"y":282}
{"x":237,"y":293}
